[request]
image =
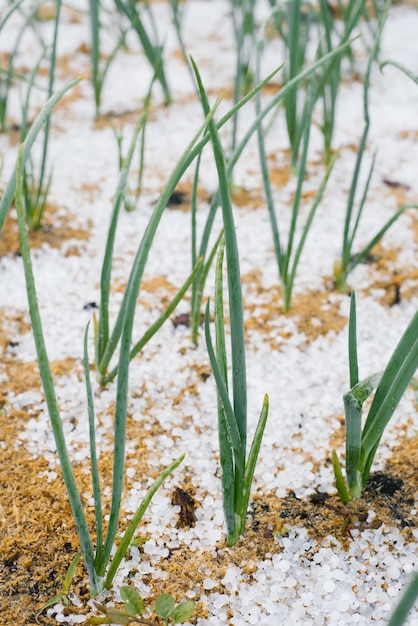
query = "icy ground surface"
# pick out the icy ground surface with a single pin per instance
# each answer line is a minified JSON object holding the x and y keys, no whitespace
{"x":299,"y":582}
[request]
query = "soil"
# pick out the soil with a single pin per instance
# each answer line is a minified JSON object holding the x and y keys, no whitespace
{"x":37,"y":534}
{"x":39,"y":540}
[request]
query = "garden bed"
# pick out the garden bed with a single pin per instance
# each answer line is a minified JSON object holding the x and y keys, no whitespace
{"x":305,"y":557}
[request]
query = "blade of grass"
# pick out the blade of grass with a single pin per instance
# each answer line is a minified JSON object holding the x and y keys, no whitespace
{"x":45,"y":372}
{"x":120,"y":426}
{"x":353,"y":405}
{"x":103,"y":328}
{"x":133,"y":524}
{"x":239,"y":385}
{"x":339,"y":479}
{"x":265,"y":174}
{"x":175,"y":7}
{"x":145,"y":245}
{"x":252,"y":460}
{"x":401,"y":67}
{"x":93,"y":452}
{"x":306,"y":228}
{"x":28,"y":143}
{"x":395,"y":379}
{"x":229,"y":439}
{"x":227,"y":451}
{"x":361,"y":203}
{"x":193,"y":206}
{"x":152,"y":52}
{"x":199,"y":285}
{"x":352,"y":342}
{"x":231,"y":422}
{"x":361,"y":256}
{"x":159,"y":321}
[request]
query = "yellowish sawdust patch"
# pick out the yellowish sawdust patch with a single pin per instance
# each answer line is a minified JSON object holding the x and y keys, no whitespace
{"x":280,"y":175}
{"x":38,"y":537}
{"x":37,"y":533}
{"x":391,"y":496}
{"x":408,"y":134}
{"x":272,"y":87}
{"x":158,"y":283}
{"x":54,"y":231}
{"x":46,"y":13}
{"x":314,"y":313}
{"x":90,"y":190}
{"x":248,"y":198}
{"x":64,"y":367}
{"x":69,"y":67}
{"x":13,"y":325}
{"x":396,"y":282}
{"x":181,"y":197}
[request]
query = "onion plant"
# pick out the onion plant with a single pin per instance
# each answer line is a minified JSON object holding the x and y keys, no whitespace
{"x":35,"y":196}
{"x":106,"y":340}
{"x":361,"y":444}
{"x":7,"y":74}
{"x":96,"y":559}
{"x":37,"y":125}
{"x":347,"y":262}
{"x":152,"y":50}
{"x":201,"y":250}
{"x":303,"y":26}
{"x":287,"y":257}
{"x":131,"y":200}
{"x":237,"y":469}
{"x":177,"y":9}
{"x":36,"y":185}
{"x":332,"y":32}
{"x":98,"y":70}
{"x":295,"y":30}
{"x":244,"y":26}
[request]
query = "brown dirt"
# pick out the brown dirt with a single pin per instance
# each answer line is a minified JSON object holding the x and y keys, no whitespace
{"x":313,"y":312}
{"x":395,"y":282}
{"x":56,"y":230}
{"x":35,"y":518}
{"x":37,"y":534}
